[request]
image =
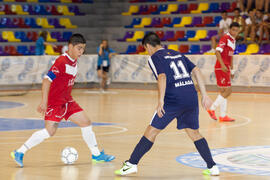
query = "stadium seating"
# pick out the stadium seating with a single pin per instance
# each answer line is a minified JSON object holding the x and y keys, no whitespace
{"x":50,"y":51}
{"x":173,"y":47}
{"x":200,"y":34}
{"x":9,"y":36}
{"x":66,"y":22}
{"x":186,"y":20}
{"x":201,"y":7}
{"x":138,"y":35}
{"x":251,"y":49}
{"x":145,"y":22}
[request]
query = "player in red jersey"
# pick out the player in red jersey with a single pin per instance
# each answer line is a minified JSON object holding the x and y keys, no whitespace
{"x":57,"y":103}
{"x":224,"y":72}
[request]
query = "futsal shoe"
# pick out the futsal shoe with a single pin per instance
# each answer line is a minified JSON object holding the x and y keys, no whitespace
{"x":214,"y":171}
{"x":18,"y":157}
{"x":226,"y":119}
{"x":102,"y":157}
{"x":212,"y":114}
{"x":127,"y":168}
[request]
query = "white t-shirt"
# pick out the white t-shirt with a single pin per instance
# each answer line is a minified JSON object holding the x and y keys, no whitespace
{"x":248,"y":21}
{"x":225,"y":24}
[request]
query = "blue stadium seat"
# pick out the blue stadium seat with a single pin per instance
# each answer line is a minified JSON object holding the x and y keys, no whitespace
{"x":194,"y":49}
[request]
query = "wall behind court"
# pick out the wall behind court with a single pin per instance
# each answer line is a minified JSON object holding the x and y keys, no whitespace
{"x":251,"y":70}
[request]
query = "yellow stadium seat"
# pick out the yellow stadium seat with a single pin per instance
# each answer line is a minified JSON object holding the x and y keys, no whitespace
{"x":132,"y":9}
{"x":66,"y":1}
{"x":17,"y":8}
{"x":9,"y":0}
{"x":201,"y":7}
{"x":200,"y":34}
{"x":143,"y":53}
{"x":64,"y":10}
{"x":32,"y":1}
{"x":9,"y":36}
{"x":171,"y":8}
{"x":50,"y":39}
{"x":66,"y":22}
{"x":251,"y":49}
{"x":50,"y":51}
{"x":144,"y":22}
{"x":44,"y":23}
{"x":185,"y":21}
{"x":137,"y":35}
{"x":173,"y":47}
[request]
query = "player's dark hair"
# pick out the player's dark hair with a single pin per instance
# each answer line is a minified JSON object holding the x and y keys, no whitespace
{"x":76,"y":39}
{"x":235,"y":24}
{"x":44,"y":34}
{"x":151,"y":38}
{"x":224,"y":12}
{"x":237,"y":9}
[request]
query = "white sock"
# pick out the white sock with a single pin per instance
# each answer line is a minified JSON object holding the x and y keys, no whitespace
{"x":36,"y":138}
{"x":223,"y":108}
{"x":217,"y":102}
{"x":90,"y":139}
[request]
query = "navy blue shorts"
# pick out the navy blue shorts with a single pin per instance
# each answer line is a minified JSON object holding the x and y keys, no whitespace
{"x":186,"y":118}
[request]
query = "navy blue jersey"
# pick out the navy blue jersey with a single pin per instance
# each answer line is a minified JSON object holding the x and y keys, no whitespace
{"x":180,"y":89}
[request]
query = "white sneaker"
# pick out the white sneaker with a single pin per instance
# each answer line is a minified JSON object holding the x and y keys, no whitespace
{"x":214,"y":171}
{"x":127,"y":168}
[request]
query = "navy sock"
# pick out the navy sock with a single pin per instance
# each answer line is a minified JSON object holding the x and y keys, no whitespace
{"x":205,"y":153}
{"x":142,"y":147}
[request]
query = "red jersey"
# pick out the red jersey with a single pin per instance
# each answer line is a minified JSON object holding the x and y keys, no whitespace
{"x":62,"y":75}
{"x":226,"y":47}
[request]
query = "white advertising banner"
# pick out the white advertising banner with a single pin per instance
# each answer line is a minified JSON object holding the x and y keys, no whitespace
{"x":252,"y":70}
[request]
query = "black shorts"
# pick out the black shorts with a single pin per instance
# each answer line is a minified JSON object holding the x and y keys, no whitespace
{"x":105,"y":69}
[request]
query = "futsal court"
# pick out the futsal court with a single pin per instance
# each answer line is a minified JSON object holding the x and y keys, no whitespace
{"x":241,"y":148}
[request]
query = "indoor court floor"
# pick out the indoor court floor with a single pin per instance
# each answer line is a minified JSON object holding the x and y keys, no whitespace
{"x":241,"y":149}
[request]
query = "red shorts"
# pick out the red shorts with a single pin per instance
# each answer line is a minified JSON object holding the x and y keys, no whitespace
{"x":223,"y":78}
{"x":57,"y":113}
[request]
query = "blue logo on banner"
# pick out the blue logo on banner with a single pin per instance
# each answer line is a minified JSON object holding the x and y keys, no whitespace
{"x":263,"y":67}
{"x":252,"y":160}
{"x":123,"y":65}
{"x":200,"y":63}
{"x":139,"y":69}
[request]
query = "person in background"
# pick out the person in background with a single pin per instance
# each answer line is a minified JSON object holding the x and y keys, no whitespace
{"x":258,"y":22}
{"x":250,"y":22}
{"x":224,"y":25}
{"x":105,"y":53}
{"x":41,"y":43}
{"x":241,"y":21}
{"x":264,"y":28}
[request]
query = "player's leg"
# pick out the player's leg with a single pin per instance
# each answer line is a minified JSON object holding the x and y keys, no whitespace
{"x":144,"y":145}
{"x":88,"y":135}
{"x":105,"y":77}
{"x":223,"y":106}
{"x":203,"y":148}
{"x":36,"y":138}
{"x":101,"y":76}
{"x":146,"y":142}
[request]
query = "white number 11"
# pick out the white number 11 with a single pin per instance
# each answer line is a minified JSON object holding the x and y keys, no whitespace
{"x":177,"y":74}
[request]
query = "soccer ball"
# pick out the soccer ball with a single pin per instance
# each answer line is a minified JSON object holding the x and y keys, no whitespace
{"x":69,"y":155}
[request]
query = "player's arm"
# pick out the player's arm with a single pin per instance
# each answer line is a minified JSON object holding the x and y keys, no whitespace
{"x":232,"y":70}
{"x":100,"y":52}
{"x":206,"y":100}
{"x":46,"y":84}
{"x":219,"y":58}
{"x":161,"y":93}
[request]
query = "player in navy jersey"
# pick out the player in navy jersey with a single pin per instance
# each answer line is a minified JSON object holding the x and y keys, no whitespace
{"x":57,"y":103}
{"x":177,"y":98}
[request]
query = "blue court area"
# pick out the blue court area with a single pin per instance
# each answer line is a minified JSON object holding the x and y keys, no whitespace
{"x":8,"y":104}
{"x":11,"y":124}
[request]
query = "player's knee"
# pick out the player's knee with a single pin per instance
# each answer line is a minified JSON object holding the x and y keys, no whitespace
{"x":51,"y":132}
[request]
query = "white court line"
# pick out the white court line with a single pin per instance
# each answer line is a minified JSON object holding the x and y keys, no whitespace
{"x":99,"y":92}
